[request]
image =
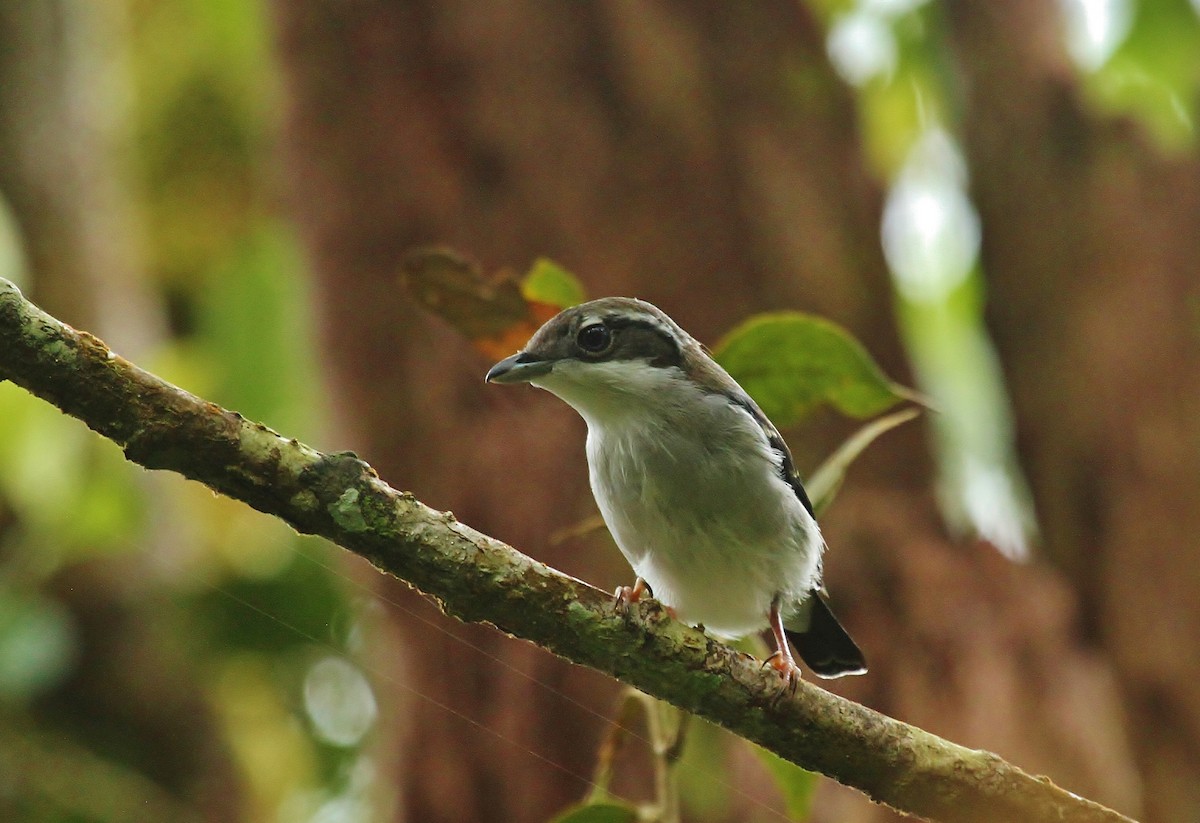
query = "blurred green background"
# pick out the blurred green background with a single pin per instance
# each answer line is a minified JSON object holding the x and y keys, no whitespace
{"x":153,"y":634}
{"x":166,"y":654}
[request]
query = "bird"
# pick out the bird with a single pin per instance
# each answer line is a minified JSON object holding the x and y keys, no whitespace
{"x":695,"y":484}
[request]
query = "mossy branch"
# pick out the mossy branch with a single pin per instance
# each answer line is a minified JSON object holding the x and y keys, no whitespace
{"x":479,"y":579}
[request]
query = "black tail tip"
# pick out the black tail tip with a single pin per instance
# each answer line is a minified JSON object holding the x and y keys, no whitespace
{"x":826,"y":647}
{"x":831,"y":668}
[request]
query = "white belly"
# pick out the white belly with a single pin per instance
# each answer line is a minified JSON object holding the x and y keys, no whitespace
{"x":717,"y":534}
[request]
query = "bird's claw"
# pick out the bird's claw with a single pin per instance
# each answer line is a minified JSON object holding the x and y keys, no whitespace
{"x":787,"y":668}
{"x":625,"y":596}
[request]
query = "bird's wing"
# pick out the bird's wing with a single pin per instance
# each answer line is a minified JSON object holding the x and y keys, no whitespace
{"x":787,"y":468}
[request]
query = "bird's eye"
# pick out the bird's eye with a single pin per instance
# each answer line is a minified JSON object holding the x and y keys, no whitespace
{"x":594,"y":338}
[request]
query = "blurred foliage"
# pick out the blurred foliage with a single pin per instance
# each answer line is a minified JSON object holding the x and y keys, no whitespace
{"x":37,"y":643}
{"x":607,"y":812}
{"x":1134,"y":58}
{"x":1154,"y":73}
{"x":207,"y":100}
{"x":823,"y":484}
{"x":895,"y":54}
{"x":212,"y":614}
{"x":1137,"y":58}
{"x":798,"y":785}
{"x":214,"y":608}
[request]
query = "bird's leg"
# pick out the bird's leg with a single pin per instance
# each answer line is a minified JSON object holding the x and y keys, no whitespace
{"x":625,"y":595}
{"x":782,"y":660}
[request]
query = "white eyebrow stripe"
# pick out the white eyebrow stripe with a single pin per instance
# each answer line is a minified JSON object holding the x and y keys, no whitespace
{"x":637,"y":318}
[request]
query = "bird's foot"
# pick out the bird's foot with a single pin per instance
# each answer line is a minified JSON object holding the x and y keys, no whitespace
{"x":787,"y":668}
{"x":625,"y":596}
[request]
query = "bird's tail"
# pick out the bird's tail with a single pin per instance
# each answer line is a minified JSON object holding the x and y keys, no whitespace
{"x":821,"y":641}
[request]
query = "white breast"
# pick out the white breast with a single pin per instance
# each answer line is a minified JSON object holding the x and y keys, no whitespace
{"x":692,"y":493}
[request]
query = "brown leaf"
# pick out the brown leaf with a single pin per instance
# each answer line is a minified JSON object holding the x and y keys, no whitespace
{"x":491,"y":312}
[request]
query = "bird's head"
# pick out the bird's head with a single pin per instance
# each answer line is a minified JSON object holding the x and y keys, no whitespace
{"x":610,"y":356}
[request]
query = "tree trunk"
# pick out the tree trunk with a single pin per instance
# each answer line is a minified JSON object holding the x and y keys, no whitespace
{"x":1092,"y":255}
{"x":702,"y":156}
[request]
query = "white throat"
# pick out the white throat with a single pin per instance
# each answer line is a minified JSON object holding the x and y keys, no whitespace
{"x":619,"y":392}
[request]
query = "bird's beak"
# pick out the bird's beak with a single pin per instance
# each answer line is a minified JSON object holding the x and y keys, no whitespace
{"x":520,"y":368}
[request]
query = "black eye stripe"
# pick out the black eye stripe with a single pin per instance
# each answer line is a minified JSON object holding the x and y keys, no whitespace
{"x":641,"y":339}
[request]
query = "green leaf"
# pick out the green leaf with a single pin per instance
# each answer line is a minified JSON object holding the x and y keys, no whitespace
{"x":827,"y":479}
{"x":548,"y":282}
{"x":791,"y":363}
{"x":604,"y":812}
{"x":796,"y":784}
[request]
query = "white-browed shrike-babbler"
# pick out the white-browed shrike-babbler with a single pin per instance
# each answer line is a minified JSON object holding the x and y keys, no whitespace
{"x":692,"y":479}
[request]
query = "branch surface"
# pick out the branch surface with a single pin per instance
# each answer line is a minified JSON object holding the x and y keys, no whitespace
{"x":479,"y":579}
